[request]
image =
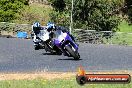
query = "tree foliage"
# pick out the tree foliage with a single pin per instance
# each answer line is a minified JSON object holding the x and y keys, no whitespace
{"x":128,"y":9}
{"x":96,"y":14}
{"x":100,"y":15}
{"x":60,"y":18}
{"x":59,"y":5}
{"x":9,"y":9}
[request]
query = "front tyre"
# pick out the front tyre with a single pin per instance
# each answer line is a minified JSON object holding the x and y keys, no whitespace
{"x":74,"y":54}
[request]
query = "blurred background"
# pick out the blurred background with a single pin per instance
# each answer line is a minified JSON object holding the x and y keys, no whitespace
{"x":91,"y":21}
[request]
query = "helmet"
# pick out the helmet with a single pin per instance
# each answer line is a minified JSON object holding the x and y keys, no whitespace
{"x":36,"y":24}
{"x":50,"y":25}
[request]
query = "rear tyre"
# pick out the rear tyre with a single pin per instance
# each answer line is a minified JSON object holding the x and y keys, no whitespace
{"x":48,"y":46}
{"x":57,"y":50}
{"x":36,"y":47}
{"x":75,"y":55}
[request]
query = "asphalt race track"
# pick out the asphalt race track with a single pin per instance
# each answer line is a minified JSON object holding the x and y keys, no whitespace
{"x":18,"y":55}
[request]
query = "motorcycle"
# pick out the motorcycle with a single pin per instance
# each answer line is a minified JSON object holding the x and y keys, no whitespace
{"x":65,"y":43}
{"x":45,"y":41}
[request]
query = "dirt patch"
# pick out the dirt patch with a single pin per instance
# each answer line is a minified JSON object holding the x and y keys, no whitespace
{"x":30,"y":76}
{"x":51,"y":75}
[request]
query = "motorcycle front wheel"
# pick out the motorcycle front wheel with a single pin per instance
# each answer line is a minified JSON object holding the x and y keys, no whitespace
{"x":74,"y":54}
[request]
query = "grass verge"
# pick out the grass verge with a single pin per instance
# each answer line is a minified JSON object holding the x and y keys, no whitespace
{"x":53,"y":80}
{"x":56,"y":83}
{"x":120,"y":39}
{"x":123,"y":36}
{"x":124,"y":27}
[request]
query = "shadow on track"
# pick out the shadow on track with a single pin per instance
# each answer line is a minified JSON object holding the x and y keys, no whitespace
{"x":50,"y":54}
{"x":70,"y":59}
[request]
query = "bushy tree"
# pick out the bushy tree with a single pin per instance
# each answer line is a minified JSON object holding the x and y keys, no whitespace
{"x":9,"y":9}
{"x":61,"y":12}
{"x":60,"y":18}
{"x":128,"y":9}
{"x":96,"y":14}
{"x":100,"y":15}
{"x":58,"y":5}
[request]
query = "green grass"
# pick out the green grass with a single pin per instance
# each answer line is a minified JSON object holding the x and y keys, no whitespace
{"x":124,"y":27}
{"x":56,"y":83}
{"x":123,"y":38}
{"x":120,"y":39}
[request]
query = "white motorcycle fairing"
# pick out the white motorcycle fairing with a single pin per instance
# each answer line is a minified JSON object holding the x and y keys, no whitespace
{"x":44,"y":35}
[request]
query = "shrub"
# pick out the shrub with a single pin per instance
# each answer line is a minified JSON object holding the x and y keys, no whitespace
{"x":100,"y":15}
